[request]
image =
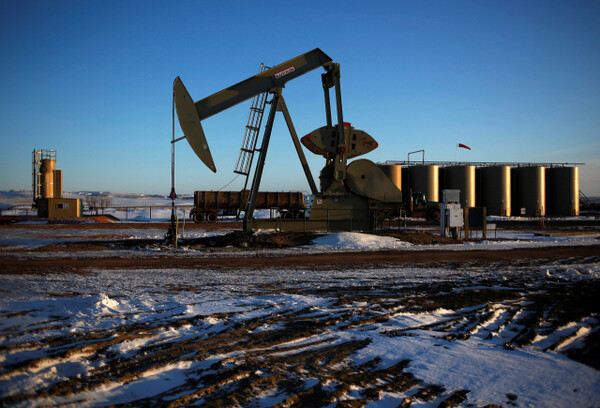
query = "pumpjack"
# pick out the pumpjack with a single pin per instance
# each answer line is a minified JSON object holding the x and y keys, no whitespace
{"x":352,"y":196}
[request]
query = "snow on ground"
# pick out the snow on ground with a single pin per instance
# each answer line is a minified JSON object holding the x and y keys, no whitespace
{"x":355,"y":240}
{"x":140,"y":312}
{"x":539,"y":379}
{"x":350,"y":241}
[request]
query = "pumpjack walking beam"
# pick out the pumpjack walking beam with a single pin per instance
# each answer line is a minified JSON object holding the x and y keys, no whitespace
{"x":272,"y":78}
{"x":190,"y":114}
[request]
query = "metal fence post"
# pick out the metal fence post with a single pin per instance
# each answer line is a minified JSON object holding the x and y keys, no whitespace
{"x":183,"y":226}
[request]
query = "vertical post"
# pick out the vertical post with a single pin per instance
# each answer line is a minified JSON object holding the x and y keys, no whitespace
{"x":262,"y":156}
{"x":176,"y":227}
{"x":172,"y":231}
{"x":33,"y":171}
{"x":466,"y":223}
{"x":484,"y":233}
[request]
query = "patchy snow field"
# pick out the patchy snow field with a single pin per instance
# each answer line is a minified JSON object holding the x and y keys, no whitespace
{"x":380,"y":337}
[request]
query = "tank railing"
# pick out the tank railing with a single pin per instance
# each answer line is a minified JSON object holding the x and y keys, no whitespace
{"x":48,"y":154}
{"x":480,"y":164}
{"x":416,"y":151}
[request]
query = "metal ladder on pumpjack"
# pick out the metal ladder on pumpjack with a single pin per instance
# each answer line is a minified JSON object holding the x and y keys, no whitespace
{"x":244,"y":161}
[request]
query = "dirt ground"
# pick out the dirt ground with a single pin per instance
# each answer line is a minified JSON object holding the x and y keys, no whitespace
{"x":230,"y":246}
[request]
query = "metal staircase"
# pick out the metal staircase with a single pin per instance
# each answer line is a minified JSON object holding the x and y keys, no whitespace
{"x":257,"y":109}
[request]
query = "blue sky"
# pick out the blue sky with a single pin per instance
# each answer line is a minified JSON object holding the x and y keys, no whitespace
{"x":516,"y":81}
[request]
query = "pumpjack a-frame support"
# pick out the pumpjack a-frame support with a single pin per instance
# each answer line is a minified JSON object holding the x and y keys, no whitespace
{"x":277,"y":104}
{"x":330,"y":79}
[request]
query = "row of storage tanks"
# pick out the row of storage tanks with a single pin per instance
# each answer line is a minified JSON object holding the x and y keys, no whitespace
{"x":529,"y":190}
